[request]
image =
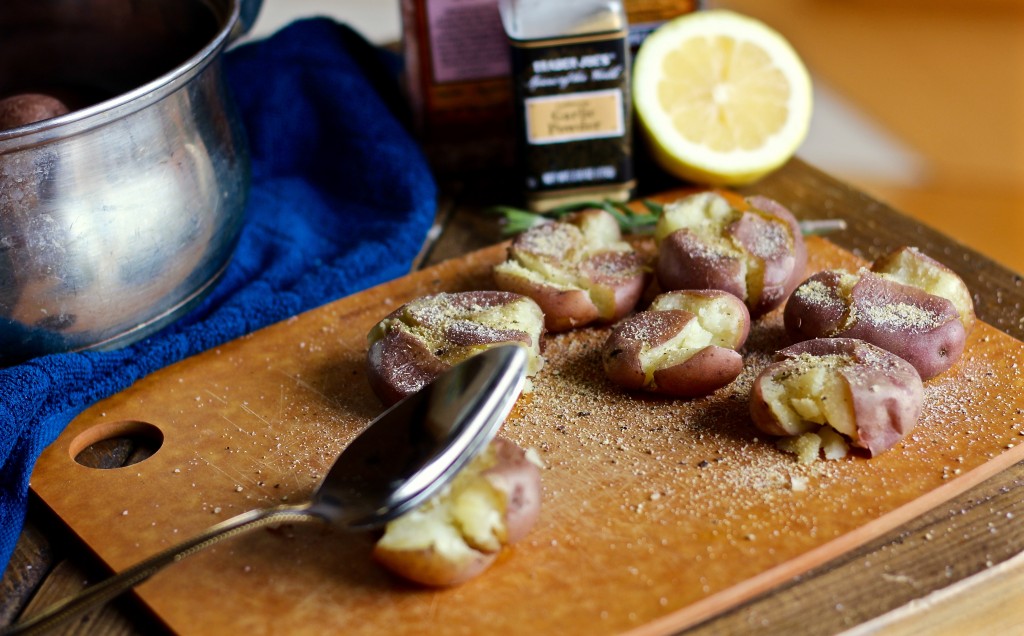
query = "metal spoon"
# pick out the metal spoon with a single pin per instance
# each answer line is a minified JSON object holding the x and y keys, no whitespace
{"x":398,"y":462}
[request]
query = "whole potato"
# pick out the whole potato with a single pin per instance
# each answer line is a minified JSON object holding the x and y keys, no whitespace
{"x":684,"y":345}
{"x":869,"y":395}
{"x":28,"y":108}
{"x":422,"y":338}
{"x":752,"y":249}
{"x":920,"y":327}
{"x":492,"y":503}
{"x":579,"y":270}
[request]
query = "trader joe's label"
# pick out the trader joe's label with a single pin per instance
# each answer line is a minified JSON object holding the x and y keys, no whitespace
{"x":574,"y":111}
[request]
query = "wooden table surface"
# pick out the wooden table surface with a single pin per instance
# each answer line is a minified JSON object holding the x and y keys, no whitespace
{"x":953,"y":567}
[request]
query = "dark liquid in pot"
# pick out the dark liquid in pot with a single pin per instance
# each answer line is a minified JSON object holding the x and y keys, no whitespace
{"x":86,"y":51}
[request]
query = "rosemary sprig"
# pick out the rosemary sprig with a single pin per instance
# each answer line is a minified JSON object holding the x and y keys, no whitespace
{"x":516,"y":220}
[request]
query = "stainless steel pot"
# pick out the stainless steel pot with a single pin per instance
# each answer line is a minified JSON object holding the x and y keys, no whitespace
{"x":120,"y":215}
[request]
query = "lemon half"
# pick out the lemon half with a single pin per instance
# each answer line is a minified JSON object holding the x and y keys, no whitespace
{"x":722,"y":98}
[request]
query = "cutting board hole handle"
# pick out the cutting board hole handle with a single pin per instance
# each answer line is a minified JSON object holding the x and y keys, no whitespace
{"x":116,"y":444}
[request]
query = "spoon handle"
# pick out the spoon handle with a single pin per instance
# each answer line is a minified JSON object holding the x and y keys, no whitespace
{"x":110,"y":588}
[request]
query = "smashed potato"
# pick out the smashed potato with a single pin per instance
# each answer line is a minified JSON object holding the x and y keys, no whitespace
{"x":907,"y":303}
{"x":911,"y":266}
{"x":423,"y":338}
{"x":492,"y":503}
{"x":752,"y":249}
{"x":683,"y":345}
{"x":869,"y":396}
{"x":579,"y":270}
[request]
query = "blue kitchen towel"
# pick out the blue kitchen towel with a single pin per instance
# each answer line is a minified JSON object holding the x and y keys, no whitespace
{"x":341,"y":199}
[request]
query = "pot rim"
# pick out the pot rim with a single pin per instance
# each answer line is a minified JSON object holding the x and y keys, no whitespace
{"x":131,"y":101}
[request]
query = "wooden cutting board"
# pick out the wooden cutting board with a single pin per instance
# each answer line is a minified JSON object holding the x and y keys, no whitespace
{"x":657,"y":513}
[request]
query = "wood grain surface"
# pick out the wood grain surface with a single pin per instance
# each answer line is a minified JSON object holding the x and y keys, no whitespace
{"x":951,"y":542}
{"x":657,"y":513}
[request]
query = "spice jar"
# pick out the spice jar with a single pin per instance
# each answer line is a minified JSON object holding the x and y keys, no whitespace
{"x":570,"y":74}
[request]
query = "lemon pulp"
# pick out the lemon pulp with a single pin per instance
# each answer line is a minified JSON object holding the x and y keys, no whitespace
{"x":722,"y":98}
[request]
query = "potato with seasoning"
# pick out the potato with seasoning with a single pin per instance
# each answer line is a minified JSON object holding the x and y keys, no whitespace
{"x":683,"y":345}
{"x":820,"y":387}
{"x":579,"y":270}
{"x":911,"y":266}
{"x":492,"y":503}
{"x":421,"y":339}
{"x":891,"y":305}
{"x":752,"y":248}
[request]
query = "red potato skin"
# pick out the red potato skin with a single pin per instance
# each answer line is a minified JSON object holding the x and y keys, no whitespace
{"x":621,"y":352}
{"x":470,"y":299}
{"x":760,"y":411}
{"x":706,"y":371}
{"x":466,"y":333}
{"x":28,"y":108}
{"x":784,"y":258}
{"x":767,"y":232}
{"x":889,"y":262}
{"x":398,"y":363}
{"x":564,"y":309}
{"x":819,"y":316}
{"x":624,"y":274}
{"x":885,"y":390}
{"x":684,"y":262}
{"x":519,"y":480}
{"x":932,"y":348}
{"x":431,"y":568}
{"x":697,"y":296}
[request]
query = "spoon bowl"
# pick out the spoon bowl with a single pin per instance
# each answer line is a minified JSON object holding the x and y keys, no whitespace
{"x":399,"y":461}
{"x":390,"y":468}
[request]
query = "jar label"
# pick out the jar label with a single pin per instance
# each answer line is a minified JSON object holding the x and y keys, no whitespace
{"x":467,"y":40}
{"x":574,"y":111}
{"x":574,"y":117}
